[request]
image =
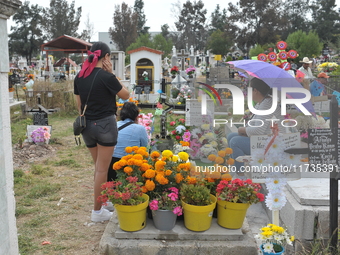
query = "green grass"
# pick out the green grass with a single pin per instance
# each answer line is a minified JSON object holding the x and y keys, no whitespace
{"x":42,"y":190}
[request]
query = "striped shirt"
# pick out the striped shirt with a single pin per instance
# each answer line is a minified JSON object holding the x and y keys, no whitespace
{"x":257,"y":119}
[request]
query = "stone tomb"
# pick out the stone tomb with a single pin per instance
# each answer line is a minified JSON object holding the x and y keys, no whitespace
{"x":179,"y":240}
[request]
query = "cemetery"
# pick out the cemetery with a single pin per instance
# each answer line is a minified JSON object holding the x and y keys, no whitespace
{"x":186,"y":192}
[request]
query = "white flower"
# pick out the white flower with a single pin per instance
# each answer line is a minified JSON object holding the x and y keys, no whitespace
{"x":275,"y":183}
{"x":268,"y":247}
{"x":224,"y":142}
{"x":214,"y":144}
{"x":180,"y":129}
{"x":195,"y":132}
{"x":205,"y":126}
{"x":257,"y":158}
{"x":275,"y":200}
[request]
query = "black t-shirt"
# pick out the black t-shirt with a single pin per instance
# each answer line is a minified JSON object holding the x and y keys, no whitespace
{"x":102,"y":100}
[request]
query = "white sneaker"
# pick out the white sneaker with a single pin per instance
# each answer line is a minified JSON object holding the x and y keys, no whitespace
{"x":108,"y":206}
{"x":102,"y":216}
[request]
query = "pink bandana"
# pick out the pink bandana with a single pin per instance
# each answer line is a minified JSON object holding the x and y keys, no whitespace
{"x":87,"y":66}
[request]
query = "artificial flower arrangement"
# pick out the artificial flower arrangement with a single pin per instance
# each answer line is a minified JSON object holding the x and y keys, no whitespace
{"x":206,"y":139}
{"x":327,"y":67}
{"x":146,"y":120}
{"x":167,"y":200}
{"x":40,"y":135}
{"x":190,"y":70}
{"x":121,"y":102}
{"x":239,"y":191}
{"x":126,"y":192}
{"x":145,"y":74}
{"x":179,"y":131}
{"x":275,"y":198}
{"x":185,"y":92}
{"x":174,"y":70}
{"x":274,"y":238}
{"x":182,"y":146}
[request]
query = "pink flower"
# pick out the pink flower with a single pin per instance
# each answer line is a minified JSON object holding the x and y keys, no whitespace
{"x":177,"y":210}
{"x":174,"y":190}
{"x":154,"y":205}
{"x":172,"y":123}
{"x":173,"y":196}
{"x":186,"y":136}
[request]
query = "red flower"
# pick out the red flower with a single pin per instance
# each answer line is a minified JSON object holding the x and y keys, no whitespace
{"x":178,"y":137}
{"x":260,"y":196}
{"x":172,"y":123}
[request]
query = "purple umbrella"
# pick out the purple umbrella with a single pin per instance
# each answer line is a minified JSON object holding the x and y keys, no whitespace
{"x":274,"y":76}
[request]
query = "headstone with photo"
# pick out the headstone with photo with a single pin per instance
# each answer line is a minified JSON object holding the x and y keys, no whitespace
{"x":193,"y":112}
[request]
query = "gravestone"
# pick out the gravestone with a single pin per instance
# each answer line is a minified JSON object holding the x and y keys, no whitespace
{"x":174,"y":57}
{"x":192,"y":57}
{"x":183,"y":55}
{"x":193,"y":112}
{"x":40,"y":118}
{"x":8,"y":232}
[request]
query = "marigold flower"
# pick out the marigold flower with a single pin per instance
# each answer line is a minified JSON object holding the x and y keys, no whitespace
{"x":210,"y":180}
{"x":226,"y":177}
{"x":161,"y":179}
{"x":228,"y":151}
{"x":183,"y":156}
{"x":191,"y":180}
{"x":219,"y":160}
{"x":155,"y":154}
{"x":179,"y":177}
{"x":135,"y":148}
{"x":138,"y":156}
{"x":138,"y":162}
{"x":116,"y":166}
{"x":128,"y":170}
{"x":144,"y":189}
{"x":221,"y":153}
{"x":168,"y":172}
{"x":215,"y":175}
{"x":174,"y":158}
{"x":211,"y":157}
{"x":167,"y":153}
{"x":150,"y":173}
{"x":128,"y":149}
{"x":230,"y":161}
{"x":131,"y":161}
{"x":144,"y":166}
{"x":150,"y":185}
{"x":159,"y":165}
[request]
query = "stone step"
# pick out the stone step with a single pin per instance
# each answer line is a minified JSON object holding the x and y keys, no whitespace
{"x":216,"y":240}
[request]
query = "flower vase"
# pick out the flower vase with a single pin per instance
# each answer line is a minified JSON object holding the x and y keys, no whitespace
{"x":231,"y":215}
{"x":198,"y":218}
{"x":191,"y":76}
{"x":164,"y":220}
{"x":132,"y":217}
{"x":272,"y":253}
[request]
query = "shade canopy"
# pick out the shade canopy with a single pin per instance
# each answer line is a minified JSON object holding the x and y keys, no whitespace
{"x":67,"y":44}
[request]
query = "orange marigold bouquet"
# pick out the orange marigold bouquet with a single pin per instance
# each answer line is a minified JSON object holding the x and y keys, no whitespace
{"x":158,"y":171}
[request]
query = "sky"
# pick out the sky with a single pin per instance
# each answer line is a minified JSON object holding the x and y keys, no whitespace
{"x":157,"y":12}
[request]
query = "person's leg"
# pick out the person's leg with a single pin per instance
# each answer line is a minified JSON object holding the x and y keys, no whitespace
{"x":230,"y":136}
{"x":240,"y":146}
{"x":102,"y":156}
{"x":112,"y":174}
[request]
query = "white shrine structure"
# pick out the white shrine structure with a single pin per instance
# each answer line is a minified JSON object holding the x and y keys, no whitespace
{"x":146,"y":72}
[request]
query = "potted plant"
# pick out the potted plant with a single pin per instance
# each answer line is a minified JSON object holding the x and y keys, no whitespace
{"x":190,"y":71}
{"x":198,"y":206}
{"x":233,"y":200}
{"x":129,"y":201}
{"x":174,"y":70}
{"x":273,"y":239}
{"x":165,"y":209}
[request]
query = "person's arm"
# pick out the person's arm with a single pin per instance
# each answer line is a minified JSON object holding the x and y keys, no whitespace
{"x":78,"y":104}
{"x":242,"y":131}
{"x":123,"y":93}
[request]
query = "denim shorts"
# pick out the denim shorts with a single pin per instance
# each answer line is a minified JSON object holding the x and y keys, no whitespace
{"x":103,"y":132}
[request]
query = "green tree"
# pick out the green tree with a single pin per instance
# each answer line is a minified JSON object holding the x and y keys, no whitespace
{"x":61,"y":19}
{"x":124,"y":30}
{"x":219,"y":43}
{"x":165,"y":30}
{"x":306,"y":44}
{"x":26,"y":38}
{"x":191,"y":24}
{"x":218,"y":19}
{"x":138,"y":8}
{"x":326,"y":19}
{"x":258,"y":49}
{"x":292,"y":16}
{"x":258,"y":22}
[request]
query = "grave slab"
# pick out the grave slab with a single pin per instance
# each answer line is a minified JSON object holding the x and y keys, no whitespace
{"x":311,"y":191}
{"x":216,"y":240}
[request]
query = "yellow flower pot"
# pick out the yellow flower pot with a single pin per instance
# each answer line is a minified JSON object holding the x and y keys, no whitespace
{"x":231,"y":215}
{"x":198,"y":218}
{"x":132,"y":217}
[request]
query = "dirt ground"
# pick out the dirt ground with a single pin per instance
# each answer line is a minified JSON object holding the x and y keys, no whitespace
{"x":54,"y":197}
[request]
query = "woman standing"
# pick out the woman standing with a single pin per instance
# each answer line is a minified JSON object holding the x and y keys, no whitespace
{"x":96,"y":87}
